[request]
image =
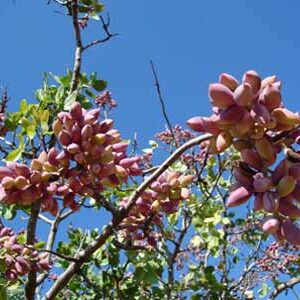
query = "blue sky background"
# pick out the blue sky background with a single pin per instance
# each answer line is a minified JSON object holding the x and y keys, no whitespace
{"x":191,"y":43}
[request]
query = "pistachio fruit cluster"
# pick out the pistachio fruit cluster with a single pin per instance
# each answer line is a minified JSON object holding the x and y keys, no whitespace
{"x":163,"y":196}
{"x":251,"y":116}
{"x":18,"y":260}
{"x":90,"y":157}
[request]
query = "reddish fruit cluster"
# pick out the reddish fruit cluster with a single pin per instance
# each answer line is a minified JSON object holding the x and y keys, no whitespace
{"x":96,"y":150}
{"x":251,"y":117}
{"x":278,"y":258}
{"x":105,"y":99}
{"x":19,"y":260}
{"x":83,"y":22}
{"x":181,"y":135}
{"x":246,"y":114}
{"x":190,"y":159}
{"x":92,"y":158}
{"x":24,"y":185}
{"x":163,"y":196}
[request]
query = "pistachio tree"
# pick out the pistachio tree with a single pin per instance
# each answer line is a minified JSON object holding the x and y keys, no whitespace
{"x":174,"y":229}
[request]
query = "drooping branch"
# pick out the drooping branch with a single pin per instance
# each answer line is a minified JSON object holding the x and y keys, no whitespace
{"x":84,"y":255}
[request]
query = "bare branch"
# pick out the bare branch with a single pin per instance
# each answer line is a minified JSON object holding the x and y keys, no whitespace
{"x":109,"y":35}
{"x":45,"y":219}
{"x":96,"y":42}
{"x":161,"y":100}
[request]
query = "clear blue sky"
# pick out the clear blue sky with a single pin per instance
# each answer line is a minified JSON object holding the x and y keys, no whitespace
{"x":190,"y":41}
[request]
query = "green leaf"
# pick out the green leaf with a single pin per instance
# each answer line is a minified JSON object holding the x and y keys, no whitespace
{"x":17,"y":153}
{"x":65,"y":80}
{"x":2,"y":265}
{"x":235,"y":259}
{"x":23,"y":106}
{"x":14,"y":155}
{"x":86,"y":2}
{"x":150,"y":277}
{"x":263,"y":291}
{"x":179,"y":166}
{"x":173,"y":218}
{"x":21,"y":239}
{"x":196,"y":241}
{"x":39,"y":245}
{"x":70,"y":100}
{"x":31,"y":131}
{"x":153,"y":144}
{"x":3,"y":294}
{"x":83,"y":9}
{"x":44,"y":121}
{"x":8,"y":212}
{"x":59,"y":94}
{"x":225,"y":221}
{"x":99,"y":85}
{"x":146,"y":275}
{"x":98,"y":7}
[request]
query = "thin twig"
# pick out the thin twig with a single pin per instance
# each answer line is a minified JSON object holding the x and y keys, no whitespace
{"x":68,"y":258}
{"x":96,"y":42}
{"x":162,"y":103}
{"x":60,"y":2}
{"x":150,"y":170}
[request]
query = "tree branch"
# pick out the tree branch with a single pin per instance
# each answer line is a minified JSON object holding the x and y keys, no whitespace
{"x":45,"y":219}
{"x":51,"y":238}
{"x":162,"y":103}
{"x":84,"y":255}
{"x":78,"y":51}
{"x":30,"y":240}
{"x":172,"y":258}
{"x":284,"y":286}
{"x":105,"y":26}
